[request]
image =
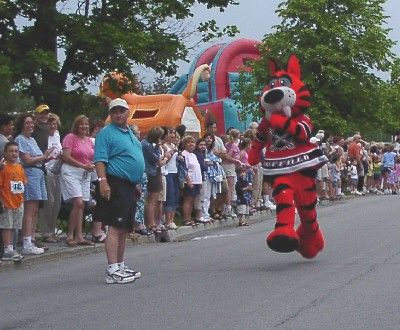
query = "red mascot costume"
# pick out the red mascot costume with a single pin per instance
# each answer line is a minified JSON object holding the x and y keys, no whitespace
{"x":290,"y":160}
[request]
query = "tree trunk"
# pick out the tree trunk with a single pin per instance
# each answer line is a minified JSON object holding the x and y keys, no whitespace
{"x":52,"y":87}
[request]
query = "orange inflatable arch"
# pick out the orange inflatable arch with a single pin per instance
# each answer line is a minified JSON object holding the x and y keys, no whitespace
{"x":147,"y":111}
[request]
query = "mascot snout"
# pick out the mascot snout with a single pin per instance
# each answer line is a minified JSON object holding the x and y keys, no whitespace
{"x":279,"y":99}
{"x":273,"y":96}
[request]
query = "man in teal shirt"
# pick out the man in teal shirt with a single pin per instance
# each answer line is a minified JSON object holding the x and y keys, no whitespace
{"x":120,"y":165}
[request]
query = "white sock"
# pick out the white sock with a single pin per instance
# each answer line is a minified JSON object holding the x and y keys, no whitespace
{"x":112,"y":268}
{"x":121,"y":265}
{"x":27,"y":242}
{"x":8,"y":248}
{"x":265,"y":199}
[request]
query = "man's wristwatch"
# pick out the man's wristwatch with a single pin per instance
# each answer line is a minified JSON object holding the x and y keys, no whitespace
{"x":102,"y":179}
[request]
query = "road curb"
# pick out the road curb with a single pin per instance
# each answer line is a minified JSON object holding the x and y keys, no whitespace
{"x":179,"y":235}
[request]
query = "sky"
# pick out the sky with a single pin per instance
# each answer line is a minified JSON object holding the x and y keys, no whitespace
{"x":255,"y":18}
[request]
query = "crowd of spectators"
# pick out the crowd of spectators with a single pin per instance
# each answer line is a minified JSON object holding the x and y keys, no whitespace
{"x":358,"y":167}
{"x":187,"y":180}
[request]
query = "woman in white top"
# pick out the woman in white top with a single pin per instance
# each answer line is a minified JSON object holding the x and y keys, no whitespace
{"x":48,"y":215}
{"x":172,"y":196}
{"x":193,"y":180}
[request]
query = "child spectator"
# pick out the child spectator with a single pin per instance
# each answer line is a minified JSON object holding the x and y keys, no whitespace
{"x":215,"y":174}
{"x":244,"y":147}
{"x":194,"y":180}
{"x":354,"y":178}
{"x":202,"y":215}
{"x":388,"y":161}
{"x":376,"y":168}
{"x":243,"y":194}
{"x":12,"y":184}
{"x":334,"y":177}
{"x":370,"y":174}
{"x":393,"y":177}
{"x":230,"y":163}
{"x":397,"y":174}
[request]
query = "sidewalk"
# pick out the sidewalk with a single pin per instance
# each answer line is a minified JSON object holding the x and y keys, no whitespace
{"x":60,"y":250}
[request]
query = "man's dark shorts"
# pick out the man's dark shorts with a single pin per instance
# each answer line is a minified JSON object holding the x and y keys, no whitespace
{"x":193,"y":192}
{"x":119,"y":211}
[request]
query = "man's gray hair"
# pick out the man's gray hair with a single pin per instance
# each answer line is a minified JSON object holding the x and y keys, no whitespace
{"x":253,"y":125}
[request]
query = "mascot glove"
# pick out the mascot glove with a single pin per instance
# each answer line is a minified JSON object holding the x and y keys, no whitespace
{"x":278,"y":121}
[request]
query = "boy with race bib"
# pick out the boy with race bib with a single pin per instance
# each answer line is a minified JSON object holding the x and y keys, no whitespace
{"x":12,"y":187}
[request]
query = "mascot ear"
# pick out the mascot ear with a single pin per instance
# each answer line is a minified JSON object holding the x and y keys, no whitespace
{"x":293,"y":66}
{"x":273,"y":67}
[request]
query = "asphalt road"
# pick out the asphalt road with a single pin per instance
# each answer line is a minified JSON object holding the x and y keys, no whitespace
{"x":227,"y":280}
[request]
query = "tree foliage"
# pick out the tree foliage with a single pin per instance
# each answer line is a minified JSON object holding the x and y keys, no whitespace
{"x":342,"y":46}
{"x":45,"y":44}
{"x":161,"y":85}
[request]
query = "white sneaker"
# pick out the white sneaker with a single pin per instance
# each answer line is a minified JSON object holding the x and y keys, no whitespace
{"x":119,"y":277}
{"x":172,"y":226}
{"x":270,"y":205}
{"x":32,"y":250}
{"x":12,"y":256}
{"x":132,"y":272}
{"x":203,"y":220}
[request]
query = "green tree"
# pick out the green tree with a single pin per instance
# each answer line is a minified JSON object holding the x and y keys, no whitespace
{"x":76,"y":41}
{"x":342,"y":45}
{"x":161,"y":85}
{"x":246,"y":97}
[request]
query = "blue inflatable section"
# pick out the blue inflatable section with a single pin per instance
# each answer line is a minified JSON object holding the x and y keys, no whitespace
{"x":180,"y":85}
{"x":203,"y":92}
{"x":234,"y":117}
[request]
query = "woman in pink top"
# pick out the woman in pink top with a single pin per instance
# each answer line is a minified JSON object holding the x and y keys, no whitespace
{"x":78,"y":152}
{"x":230,"y":163}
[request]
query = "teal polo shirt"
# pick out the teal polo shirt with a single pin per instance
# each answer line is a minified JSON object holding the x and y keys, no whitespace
{"x":121,"y":151}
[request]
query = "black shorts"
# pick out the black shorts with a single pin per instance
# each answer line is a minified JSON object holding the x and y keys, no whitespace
{"x":377,"y":176}
{"x":119,"y":211}
{"x":194,"y":191}
{"x":154,"y":183}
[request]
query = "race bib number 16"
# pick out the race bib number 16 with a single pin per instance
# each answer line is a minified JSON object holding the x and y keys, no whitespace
{"x":17,"y":187}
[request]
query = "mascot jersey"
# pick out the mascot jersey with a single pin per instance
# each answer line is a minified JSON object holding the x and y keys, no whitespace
{"x":286,"y":153}
{"x":290,"y":160}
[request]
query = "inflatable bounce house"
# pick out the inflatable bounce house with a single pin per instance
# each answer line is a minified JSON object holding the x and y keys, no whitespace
{"x":147,"y":111}
{"x":216,"y":97}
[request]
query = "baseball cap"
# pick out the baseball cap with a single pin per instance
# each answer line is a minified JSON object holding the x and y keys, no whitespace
{"x":118,"y":103}
{"x":42,"y":107}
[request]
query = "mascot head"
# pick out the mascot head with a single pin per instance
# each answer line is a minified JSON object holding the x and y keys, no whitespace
{"x":286,"y":93}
